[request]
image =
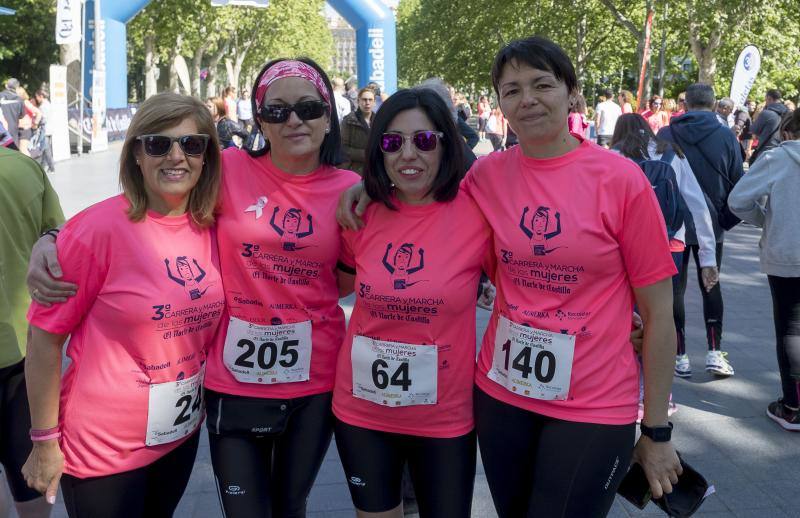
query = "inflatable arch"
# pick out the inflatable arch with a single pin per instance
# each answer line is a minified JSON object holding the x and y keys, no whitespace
{"x":376,"y":43}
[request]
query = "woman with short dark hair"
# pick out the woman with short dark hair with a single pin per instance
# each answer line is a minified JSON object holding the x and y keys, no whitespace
{"x":404,"y":374}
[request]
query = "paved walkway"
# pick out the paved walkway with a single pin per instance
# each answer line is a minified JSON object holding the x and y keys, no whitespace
{"x":720,"y":426}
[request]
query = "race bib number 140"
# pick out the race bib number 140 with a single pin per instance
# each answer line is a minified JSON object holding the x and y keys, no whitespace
{"x":532,"y":362}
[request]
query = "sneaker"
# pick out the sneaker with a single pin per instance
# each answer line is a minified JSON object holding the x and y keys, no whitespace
{"x":788,"y":418}
{"x":717,"y":363}
{"x":683,"y":369}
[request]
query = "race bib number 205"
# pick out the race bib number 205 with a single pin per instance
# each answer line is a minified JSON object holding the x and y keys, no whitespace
{"x":255,"y":353}
{"x":532,"y":362}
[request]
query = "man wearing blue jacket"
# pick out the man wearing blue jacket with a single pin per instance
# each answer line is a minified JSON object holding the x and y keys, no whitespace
{"x":713,"y":152}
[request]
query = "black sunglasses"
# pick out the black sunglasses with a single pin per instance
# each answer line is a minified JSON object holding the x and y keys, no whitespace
{"x":305,"y":110}
{"x":423,"y":141}
{"x":160,"y":145}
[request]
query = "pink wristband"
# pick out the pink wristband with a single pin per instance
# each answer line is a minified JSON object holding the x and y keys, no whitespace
{"x":47,"y":431}
{"x":40,"y":438}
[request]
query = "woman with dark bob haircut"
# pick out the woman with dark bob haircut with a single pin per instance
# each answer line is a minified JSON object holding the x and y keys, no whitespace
{"x":404,"y":375}
{"x":269,"y":372}
{"x":445,"y":185}
{"x":557,"y":391}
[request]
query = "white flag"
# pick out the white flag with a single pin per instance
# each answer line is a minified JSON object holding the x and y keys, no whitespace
{"x":68,"y":21}
{"x":747,"y":67}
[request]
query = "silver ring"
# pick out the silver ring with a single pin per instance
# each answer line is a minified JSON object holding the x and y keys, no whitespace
{"x":35,"y":292}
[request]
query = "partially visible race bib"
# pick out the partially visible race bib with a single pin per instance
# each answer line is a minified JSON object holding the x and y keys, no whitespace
{"x":268,"y":354}
{"x":174,"y":409}
{"x":532,"y":362}
{"x":393,"y":373}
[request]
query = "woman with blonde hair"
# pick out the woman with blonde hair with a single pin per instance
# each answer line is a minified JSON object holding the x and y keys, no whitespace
{"x":625,"y":99}
{"x":128,"y":452}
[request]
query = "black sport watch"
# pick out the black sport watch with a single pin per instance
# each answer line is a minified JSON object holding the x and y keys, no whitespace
{"x":657,"y":433}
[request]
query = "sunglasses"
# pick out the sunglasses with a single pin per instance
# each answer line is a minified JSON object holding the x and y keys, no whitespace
{"x":160,"y":145}
{"x":423,"y":141}
{"x":305,"y":110}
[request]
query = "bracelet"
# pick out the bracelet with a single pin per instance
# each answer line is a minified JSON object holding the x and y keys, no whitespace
{"x":50,"y":232}
{"x":40,"y":433}
{"x":41,"y":438}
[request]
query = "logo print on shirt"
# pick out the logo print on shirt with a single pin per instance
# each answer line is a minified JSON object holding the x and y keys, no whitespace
{"x":289,"y":230}
{"x":187,"y":277}
{"x":258,"y":206}
{"x":400,"y":268}
{"x":537,"y":233}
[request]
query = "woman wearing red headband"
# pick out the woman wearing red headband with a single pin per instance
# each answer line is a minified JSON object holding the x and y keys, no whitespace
{"x":270,"y":370}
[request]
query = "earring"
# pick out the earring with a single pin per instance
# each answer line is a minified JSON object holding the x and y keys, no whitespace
{"x":327,"y":130}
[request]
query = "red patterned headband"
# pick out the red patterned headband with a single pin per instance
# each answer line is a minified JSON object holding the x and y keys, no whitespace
{"x":291,"y":68}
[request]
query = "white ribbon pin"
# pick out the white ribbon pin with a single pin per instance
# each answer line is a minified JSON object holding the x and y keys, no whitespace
{"x":258,"y":208}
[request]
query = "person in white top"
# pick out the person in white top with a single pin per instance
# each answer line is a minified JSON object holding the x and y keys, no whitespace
{"x":343,"y":106}
{"x":605,"y":119}
{"x":634,"y":139}
{"x":244,"y":110}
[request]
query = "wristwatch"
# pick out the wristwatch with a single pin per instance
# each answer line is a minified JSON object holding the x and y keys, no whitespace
{"x":657,"y":433}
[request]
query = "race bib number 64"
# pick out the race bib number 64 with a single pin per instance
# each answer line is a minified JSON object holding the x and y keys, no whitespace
{"x":394,"y":373}
{"x":532,"y":362}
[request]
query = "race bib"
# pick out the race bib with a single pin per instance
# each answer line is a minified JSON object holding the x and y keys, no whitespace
{"x":532,"y":362}
{"x":174,"y":409}
{"x":268,"y":354}
{"x":393,"y":373}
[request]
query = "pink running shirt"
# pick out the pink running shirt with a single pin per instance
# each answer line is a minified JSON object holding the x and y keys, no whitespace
{"x":572,"y":234}
{"x":279,"y":244}
{"x":149,"y":303}
{"x":419,"y":291}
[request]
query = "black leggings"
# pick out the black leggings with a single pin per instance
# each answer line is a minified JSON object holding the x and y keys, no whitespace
{"x":538,"y":466}
{"x":712,"y":301}
{"x":262,"y":474}
{"x":152,"y":491}
{"x":786,"y":311}
{"x":442,"y":470}
{"x":15,"y":424}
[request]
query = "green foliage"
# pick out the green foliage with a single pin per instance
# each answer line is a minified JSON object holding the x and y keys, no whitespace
{"x":27,"y":42}
{"x":284,"y":28}
{"x":457,"y":41}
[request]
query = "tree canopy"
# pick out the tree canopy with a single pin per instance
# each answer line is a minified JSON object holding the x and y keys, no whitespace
{"x":691,"y":40}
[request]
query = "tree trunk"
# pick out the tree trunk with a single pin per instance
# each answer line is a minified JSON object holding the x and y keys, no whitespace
{"x":235,"y":68}
{"x":197,"y":63}
{"x":662,"y":52}
{"x":213,"y":65}
{"x":150,"y":67}
{"x":580,"y":52}
{"x":705,"y":52}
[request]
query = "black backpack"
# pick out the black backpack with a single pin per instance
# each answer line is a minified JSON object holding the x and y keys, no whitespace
{"x":665,"y":184}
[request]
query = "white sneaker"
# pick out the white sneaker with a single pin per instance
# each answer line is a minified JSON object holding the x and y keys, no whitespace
{"x":683,"y":369}
{"x":717,"y":363}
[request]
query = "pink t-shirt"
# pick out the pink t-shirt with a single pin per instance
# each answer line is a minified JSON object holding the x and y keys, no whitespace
{"x":572,"y":234}
{"x":417,"y":273}
{"x":279,"y":244}
{"x":577,"y":123}
{"x":149,"y":303}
